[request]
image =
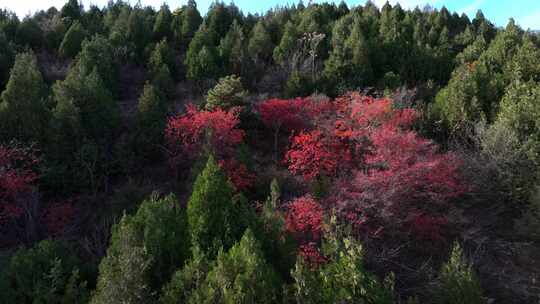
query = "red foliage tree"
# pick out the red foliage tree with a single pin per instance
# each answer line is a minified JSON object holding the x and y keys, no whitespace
{"x":18,"y":176}
{"x":58,"y":216}
{"x":238,"y":174}
{"x":189,"y":134}
{"x":283,"y":115}
{"x":388,"y":175}
{"x":314,"y":154}
{"x":304,"y":219}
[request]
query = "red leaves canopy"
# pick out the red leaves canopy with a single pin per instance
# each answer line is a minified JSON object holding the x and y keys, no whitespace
{"x":305,"y":218}
{"x":387,"y":173}
{"x":285,"y":114}
{"x":188,"y":133}
{"x":17,"y":176}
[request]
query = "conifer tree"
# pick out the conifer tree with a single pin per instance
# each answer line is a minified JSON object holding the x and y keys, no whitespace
{"x":145,"y":250}
{"x":23,"y":113}
{"x":288,"y":45}
{"x":71,"y":45}
{"x":202,"y":56}
{"x":228,"y":93}
{"x":162,"y":25}
{"x":213,"y":214}
{"x":240,"y":275}
{"x":260,"y":44}
{"x":151,"y":120}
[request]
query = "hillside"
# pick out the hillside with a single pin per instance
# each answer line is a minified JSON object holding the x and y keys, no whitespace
{"x":317,"y":153}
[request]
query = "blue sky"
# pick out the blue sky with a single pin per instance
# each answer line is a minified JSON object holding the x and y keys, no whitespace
{"x":526,"y":12}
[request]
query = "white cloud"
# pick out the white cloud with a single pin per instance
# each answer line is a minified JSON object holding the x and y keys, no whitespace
{"x":472,"y":8}
{"x":531,"y":21}
{"x":406,"y":3}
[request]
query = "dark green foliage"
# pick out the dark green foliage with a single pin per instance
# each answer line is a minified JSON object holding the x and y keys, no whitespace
{"x":46,"y":273}
{"x":277,"y":244}
{"x":458,"y":283}
{"x":233,"y":51}
{"x":288,"y":45}
{"x":162,"y":55}
{"x":260,"y":44}
{"x":185,"y":23}
{"x":145,"y":250}
{"x":97,"y":53}
{"x":151,"y":121}
{"x":7,"y":57}
{"x":343,"y":279}
{"x":187,"y":280}
{"x":202,"y":58}
{"x":228,"y":93}
{"x":215,"y":218}
{"x":71,"y":45}
{"x":240,"y":276}
{"x":72,"y":10}
{"x":29,"y":34}
{"x":23,"y":113}
{"x":162,"y":26}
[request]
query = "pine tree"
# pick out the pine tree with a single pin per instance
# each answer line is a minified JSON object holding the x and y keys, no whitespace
{"x":71,"y":45}
{"x":71,"y":10}
{"x":97,"y":53}
{"x":23,"y":113}
{"x":458,"y":283}
{"x":161,"y":55}
{"x":48,"y":272}
{"x":162,"y":25}
{"x":151,"y":120}
{"x":7,"y":57}
{"x":145,"y":250}
{"x":202,"y":56}
{"x":187,"y":23}
{"x":213,"y":216}
{"x":240,"y":276}
{"x":288,"y":45}
{"x":233,"y":50}
{"x":260,"y":44}
{"x":228,"y":93}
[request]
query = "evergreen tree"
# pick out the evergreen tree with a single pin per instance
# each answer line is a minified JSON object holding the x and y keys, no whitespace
{"x":72,"y":10}
{"x":161,"y":55}
{"x":240,"y":276}
{"x":97,"y":53}
{"x":187,"y":23}
{"x":341,"y":279}
{"x":145,"y":249}
{"x":71,"y":45}
{"x":6,"y":59}
{"x":151,"y":119}
{"x":288,"y":45}
{"x":23,"y":113}
{"x":233,"y":50}
{"x":213,"y":214}
{"x":162,"y":26}
{"x":228,"y":93}
{"x":29,"y":34}
{"x":45,"y":273}
{"x":202,"y":56}
{"x":458,"y":281}
{"x":260,"y":44}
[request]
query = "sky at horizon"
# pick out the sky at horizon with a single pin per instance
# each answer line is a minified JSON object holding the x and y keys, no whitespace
{"x":525,"y":12}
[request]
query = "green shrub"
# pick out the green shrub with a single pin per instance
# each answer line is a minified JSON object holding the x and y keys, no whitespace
{"x":46,"y":273}
{"x":145,"y":250}
{"x":228,"y":93}
{"x":342,"y":279}
{"x":458,"y":283}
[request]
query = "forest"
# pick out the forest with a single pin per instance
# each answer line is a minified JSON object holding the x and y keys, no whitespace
{"x":316,"y":153}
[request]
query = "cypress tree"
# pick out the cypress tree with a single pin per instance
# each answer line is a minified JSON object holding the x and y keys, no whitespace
{"x":23,"y":113}
{"x":213,"y":214}
{"x":71,"y":45}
